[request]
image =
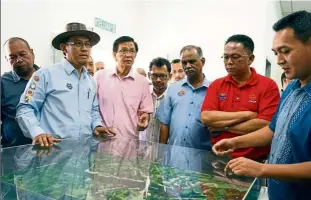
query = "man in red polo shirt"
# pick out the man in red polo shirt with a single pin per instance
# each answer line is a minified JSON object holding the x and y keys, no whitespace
{"x":241,"y":102}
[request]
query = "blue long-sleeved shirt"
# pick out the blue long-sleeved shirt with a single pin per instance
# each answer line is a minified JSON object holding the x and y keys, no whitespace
{"x":57,"y":102}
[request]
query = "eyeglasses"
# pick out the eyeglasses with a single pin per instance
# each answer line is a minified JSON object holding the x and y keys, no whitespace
{"x":234,"y":57}
{"x":161,"y":76}
{"x":80,"y":44}
{"x":125,"y":51}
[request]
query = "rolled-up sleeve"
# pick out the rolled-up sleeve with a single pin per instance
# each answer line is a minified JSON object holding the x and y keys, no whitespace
{"x":31,"y":101}
{"x":164,"y":112}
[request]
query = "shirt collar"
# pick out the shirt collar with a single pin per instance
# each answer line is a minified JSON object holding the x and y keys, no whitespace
{"x":17,"y":78}
{"x":205,"y":82}
{"x":252,"y":81}
{"x":131,"y":74}
{"x":69,"y":68}
{"x":158,"y":97}
{"x":297,"y":85}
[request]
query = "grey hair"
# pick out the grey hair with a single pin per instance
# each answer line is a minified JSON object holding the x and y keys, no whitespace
{"x":189,"y":47}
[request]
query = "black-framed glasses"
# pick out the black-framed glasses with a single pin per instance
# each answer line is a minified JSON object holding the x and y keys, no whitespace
{"x":126,"y":51}
{"x":233,"y":57}
{"x":80,"y":44}
{"x":161,"y":76}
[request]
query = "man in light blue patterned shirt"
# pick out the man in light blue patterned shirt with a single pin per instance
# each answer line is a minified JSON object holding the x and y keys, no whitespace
{"x":289,"y":165}
{"x":60,"y":101}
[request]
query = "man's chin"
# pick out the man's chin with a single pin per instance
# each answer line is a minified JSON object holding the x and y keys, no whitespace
{"x":159,"y":88}
{"x":23,"y":72}
{"x":192,"y":75}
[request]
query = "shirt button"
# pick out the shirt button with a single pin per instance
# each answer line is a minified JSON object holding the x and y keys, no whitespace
{"x":186,"y":126}
{"x":184,"y":139}
{"x":189,"y":114}
{"x":238,"y":98}
{"x":191,"y":102}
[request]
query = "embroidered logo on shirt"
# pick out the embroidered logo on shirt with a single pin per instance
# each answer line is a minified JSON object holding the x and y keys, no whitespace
{"x":252,"y":98}
{"x":27,"y":99}
{"x":69,"y":86}
{"x":222,"y":96}
{"x":36,"y":78}
{"x":29,"y":92}
{"x":33,"y":85}
{"x":181,"y":92}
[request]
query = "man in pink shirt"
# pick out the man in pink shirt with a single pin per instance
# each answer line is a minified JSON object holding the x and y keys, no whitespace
{"x":124,"y":97}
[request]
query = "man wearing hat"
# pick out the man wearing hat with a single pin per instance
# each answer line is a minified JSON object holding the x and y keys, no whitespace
{"x":60,"y":101}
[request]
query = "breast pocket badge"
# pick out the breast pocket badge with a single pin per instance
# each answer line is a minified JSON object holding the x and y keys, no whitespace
{"x":69,"y":86}
{"x":181,"y":93}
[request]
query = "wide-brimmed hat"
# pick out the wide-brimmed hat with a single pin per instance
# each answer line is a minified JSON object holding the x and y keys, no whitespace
{"x":75,"y":29}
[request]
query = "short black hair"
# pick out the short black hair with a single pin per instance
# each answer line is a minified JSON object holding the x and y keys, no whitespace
{"x":159,"y":62}
{"x":175,"y":61}
{"x":247,"y":42}
{"x":14,"y":39}
{"x":189,"y":47}
{"x":282,"y":77}
{"x":121,"y":40}
{"x":299,"y":21}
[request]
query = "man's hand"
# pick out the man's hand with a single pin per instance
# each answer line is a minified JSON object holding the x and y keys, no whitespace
{"x":143,"y":122}
{"x":224,"y":146}
{"x":45,"y":139}
{"x":245,"y":167}
{"x":45,"y":151}
{"x":217,"y":130}
{"x":99,"y":130}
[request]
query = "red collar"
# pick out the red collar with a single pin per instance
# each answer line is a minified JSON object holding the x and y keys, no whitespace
{"x":252,"y":81}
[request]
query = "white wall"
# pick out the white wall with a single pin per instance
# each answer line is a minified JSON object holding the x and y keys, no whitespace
{"x":274,"y":13}
{"x":170,"y":26}
{"x":160,"y":27}
{"x":38,"y":21}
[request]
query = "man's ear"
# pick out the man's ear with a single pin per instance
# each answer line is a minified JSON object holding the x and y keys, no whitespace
{"x":33,"y":54}
{"x":251,"y":59}
{"x":203,"y":61}
{"x":114,"y":54}
{"x":149,"y":75}
{"x":63,"y":47}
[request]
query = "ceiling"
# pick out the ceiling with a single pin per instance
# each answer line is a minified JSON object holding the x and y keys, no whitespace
{"x":289,"y":6}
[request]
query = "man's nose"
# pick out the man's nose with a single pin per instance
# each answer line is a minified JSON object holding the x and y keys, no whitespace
{"x":19,"y":59}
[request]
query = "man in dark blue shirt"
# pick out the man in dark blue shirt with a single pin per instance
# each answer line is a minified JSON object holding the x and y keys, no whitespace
{"x":21,"y":58}
{"x":289,"y":166}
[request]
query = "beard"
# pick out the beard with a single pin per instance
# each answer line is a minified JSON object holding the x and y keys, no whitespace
{"x":22,"y":71}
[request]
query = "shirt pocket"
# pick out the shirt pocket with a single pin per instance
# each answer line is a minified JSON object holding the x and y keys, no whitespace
{"x":89,"y":96}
